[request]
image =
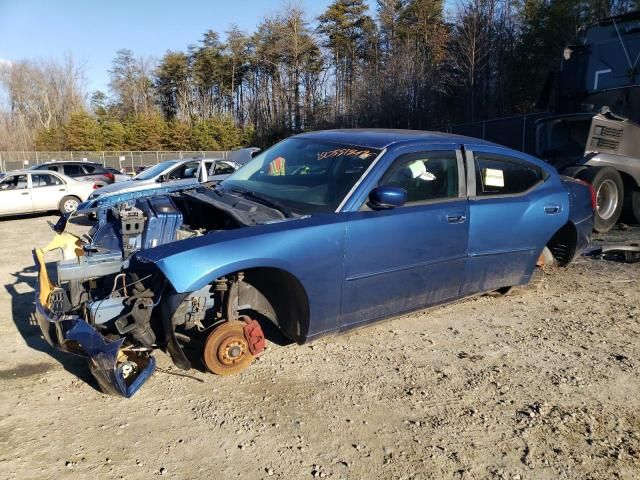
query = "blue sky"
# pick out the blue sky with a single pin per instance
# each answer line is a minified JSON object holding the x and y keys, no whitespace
{"x":93,"y":30}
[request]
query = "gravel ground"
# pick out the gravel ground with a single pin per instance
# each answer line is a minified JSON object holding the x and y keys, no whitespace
{"x":544,"y":384}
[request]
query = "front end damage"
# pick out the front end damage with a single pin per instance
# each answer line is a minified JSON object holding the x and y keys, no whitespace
{"x":115,"y":311}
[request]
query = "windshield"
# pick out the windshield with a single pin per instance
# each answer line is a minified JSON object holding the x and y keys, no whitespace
{"x":152,"y":172}
{"x":304,"y":175}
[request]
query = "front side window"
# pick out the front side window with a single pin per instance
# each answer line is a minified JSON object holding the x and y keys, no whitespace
{"x":304,"y":174}
{"x":426,"y":176}
{"x":14,"y":182}
{"x":499,"y":175}
{"x":188,"y":170}
{"x":44,"y":180}
{"x":221,"y":168}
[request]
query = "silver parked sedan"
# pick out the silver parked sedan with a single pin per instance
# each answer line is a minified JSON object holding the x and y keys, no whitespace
{"x":172,"y":172}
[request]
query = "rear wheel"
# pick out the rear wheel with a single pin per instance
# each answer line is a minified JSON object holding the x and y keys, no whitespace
{"x":632,"y":204}
{"x":68,"y":204}
{"x":609,"y":189}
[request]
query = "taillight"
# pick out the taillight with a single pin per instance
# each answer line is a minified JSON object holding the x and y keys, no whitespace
{"x":110,"y":176}
{"x":592,"y":191}
{"x":594,"y":197}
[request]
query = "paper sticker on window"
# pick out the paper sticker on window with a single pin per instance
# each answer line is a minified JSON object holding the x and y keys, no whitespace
{"x":419,"y":170}
{"x":492,"y":177}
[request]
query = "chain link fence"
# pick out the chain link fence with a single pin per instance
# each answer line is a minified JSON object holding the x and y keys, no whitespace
{"x":127,"y":161}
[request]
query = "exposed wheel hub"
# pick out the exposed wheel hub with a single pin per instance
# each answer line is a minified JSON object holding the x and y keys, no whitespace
{"x":228,"y":349}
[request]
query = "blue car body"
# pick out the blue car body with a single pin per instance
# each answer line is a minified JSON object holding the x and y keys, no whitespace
{"x":356,"y":264}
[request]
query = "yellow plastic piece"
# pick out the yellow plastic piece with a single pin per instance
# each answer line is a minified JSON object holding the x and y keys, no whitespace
{"x":71,"y":247}
{"x":43,"y":278}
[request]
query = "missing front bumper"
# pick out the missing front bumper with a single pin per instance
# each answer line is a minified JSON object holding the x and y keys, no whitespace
{"x":118,"y":371}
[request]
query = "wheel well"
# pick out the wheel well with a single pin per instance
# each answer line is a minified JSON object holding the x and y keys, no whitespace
{"x":563,"y":244}
{"x":279,"y":296}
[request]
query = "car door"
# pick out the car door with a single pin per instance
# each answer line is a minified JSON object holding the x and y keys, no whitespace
{"x":46,"y":191}
{"x":15,"y":195}
{"x":513,"y":212}
{"x":412,"y":256}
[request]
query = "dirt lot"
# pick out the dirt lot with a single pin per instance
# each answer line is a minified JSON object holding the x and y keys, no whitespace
{"x":544,"y":384}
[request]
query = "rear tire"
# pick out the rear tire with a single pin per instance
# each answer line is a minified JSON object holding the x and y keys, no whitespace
{"x":68,"y":204}
{"x":609,"y":188}
{"x":632,"y":204}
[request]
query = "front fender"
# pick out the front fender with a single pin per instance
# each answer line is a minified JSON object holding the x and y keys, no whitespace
{"x":310,"y":249}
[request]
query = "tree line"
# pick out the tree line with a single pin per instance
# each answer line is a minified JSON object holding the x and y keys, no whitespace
{"x":401,"y":64}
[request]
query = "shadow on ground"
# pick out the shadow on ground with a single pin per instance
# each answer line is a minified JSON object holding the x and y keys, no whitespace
{"x":22,"y":310}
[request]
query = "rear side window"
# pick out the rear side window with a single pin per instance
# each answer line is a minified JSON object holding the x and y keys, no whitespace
{"x":499,"y":175}
{"x":73,"y":170}
{"x":44,"y":180}
{"x":89,"y":168}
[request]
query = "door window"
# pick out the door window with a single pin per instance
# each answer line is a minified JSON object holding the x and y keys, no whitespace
{"x":15,"y":182}
{"x":44,"y":180}
{"x":499,"y":175}
{"x":73,"y":170}
{"x":426,"y":176}
{"x":188,"y":170}
{"x":89,"y":169}
{"x":221,"y":168}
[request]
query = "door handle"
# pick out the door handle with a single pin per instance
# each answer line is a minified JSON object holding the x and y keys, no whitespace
{"x":551,"y":209}
{"x":24,"y":193}
{"x":456,"y":218}
{"x":61,"y":189}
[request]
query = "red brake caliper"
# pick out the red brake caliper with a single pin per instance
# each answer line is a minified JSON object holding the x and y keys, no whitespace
{"x":253,"y":335}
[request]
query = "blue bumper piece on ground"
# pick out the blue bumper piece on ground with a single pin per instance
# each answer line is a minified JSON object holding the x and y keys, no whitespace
{"x":74,"y":335}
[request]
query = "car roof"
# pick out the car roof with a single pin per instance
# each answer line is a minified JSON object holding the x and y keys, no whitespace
{"x":69,"y":162}
{"x":29,"y":171}
{"x":382,"y":137}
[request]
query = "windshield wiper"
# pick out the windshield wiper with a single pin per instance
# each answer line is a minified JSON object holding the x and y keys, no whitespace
{"x":265,"y":201}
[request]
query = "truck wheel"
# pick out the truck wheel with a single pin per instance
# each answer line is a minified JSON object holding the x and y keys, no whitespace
{"x":609,"y":196}
{"x":632,"y":204}
{"x":68,"y":204}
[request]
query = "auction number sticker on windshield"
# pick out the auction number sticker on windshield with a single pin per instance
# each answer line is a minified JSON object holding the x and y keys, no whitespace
{"x":345,"y":152}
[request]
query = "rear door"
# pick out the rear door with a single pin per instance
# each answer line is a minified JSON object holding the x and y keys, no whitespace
{"x":515,"y":206}
{"x":15,"y":195}
{"x":409,"y":257}
{"x":46,"y":191}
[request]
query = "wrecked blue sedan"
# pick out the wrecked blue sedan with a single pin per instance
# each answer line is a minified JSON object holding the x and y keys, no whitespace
{"x":321,"y":233}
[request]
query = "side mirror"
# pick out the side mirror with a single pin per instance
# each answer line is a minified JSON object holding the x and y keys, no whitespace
{"x":255,"y":153}
{"x":161,"y":179}
{"x":387,"y":197}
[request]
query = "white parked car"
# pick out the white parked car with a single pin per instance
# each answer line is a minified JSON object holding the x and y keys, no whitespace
{"x":31,"y":191}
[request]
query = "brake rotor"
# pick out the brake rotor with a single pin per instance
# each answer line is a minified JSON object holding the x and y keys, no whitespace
{"x":226,"y":350}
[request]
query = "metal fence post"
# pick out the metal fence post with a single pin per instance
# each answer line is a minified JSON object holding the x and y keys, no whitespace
{"x":524,"y":131}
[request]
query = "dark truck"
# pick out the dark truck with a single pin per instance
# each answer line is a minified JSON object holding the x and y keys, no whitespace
{"x":590,"y":124}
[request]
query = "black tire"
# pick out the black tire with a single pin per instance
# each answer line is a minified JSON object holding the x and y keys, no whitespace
{"x":64,"y":207}
{"x":632,"y":205}
{"x":609,"y":188}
